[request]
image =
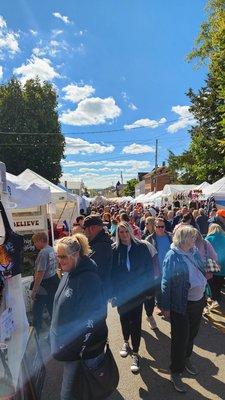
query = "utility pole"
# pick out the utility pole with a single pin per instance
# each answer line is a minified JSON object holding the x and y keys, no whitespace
{"x":156,"y":154}
{"x":156,"y":164}
{"x":121,"y":174}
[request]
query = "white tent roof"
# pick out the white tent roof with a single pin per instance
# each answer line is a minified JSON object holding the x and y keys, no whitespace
{"x":57,"y":194}
{"x":139,"y":198}
{"x":145,"y":198}
{"x":169,"y":190}
{"x":217,"y":187}
{"x":26,"y":195}
{"x":204,"y":187}
{"x":153,"y":198}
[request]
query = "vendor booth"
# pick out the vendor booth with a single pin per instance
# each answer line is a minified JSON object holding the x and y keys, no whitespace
{"x":64,"y":205}
{"x":14,"y":328}
{"x":177,"y":193}
{"x":27,"y":201}
{"x":217,"y":192}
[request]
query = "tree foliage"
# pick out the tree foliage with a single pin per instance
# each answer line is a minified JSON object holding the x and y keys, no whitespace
{"x":205,"y":157}
{"x":30,"y":133}
{"x":210,"y":48}
{"x":130,"y":187}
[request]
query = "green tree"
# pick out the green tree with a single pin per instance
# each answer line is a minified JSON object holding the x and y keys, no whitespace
{"x":204,"y":160}
{"x":210,"y":49}
{"x":30,"y":132}
{"x":205,"y":157}
{"x":130,"y":187}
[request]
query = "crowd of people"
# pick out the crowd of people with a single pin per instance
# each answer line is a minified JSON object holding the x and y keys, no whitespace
{"x":169,"y":259}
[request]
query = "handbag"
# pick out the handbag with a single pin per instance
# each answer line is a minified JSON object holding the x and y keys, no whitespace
{"x":97,"y":383}
{"x":210,"y":264}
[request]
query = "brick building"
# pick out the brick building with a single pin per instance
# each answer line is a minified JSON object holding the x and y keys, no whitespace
{"x":157,"y":179}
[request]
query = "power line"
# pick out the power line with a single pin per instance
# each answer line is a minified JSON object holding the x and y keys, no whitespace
{"x":97,"y":132}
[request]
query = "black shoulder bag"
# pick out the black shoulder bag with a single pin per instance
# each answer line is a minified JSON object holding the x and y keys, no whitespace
{"x":97,"y":383}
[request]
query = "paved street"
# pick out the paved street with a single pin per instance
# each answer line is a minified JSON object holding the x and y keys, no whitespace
{"x":153,"y":380}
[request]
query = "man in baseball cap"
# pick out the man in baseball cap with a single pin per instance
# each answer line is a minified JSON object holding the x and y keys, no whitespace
{"x":100,"y":244}
{"x":219,"y":219}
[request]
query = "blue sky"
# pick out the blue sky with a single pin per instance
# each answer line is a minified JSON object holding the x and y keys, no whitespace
{"x":116,"y":65}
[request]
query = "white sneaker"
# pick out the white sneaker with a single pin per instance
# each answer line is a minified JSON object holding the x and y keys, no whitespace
{"x":135,"y":366}
{"x":152,"y":322}
{"x":124,"y":350}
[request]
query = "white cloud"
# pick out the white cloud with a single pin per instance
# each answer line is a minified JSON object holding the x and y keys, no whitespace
{"x":52,"y":48}
{"x":77,"y":93}
{"x":145,"y":123}
{"x":8,"y":39}
{"x":35,"y":66}
{"x":56,"y":32}
{"x":1,"y":72}
{"x":63,"y":18}
{"x":132,"y":106}
{"x":138,"y":149}
{"x":185,"y":120}
{"x":81,"y":32}
{"x":134,"y":165}
{"x":126,"y":99}
{"x":91,"y":111}
{"x":76,"y":146}
{"x":125,"y":96}
{"x":99,"y":181}
{"x":33,"y":33}
{"x":2,"y":22}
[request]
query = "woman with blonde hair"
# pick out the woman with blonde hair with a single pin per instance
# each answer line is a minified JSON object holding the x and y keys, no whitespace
{"x":216,"y":236}
{"x":78,"y":327}
{"x":183,"y":300}
{"x":149,"y":227}
{"x":132,"y":281}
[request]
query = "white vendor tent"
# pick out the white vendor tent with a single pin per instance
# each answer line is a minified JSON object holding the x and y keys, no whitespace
{"x":170,"y":190}
{"x":139,"y":198}
{"x":155,"y":198}
{"x":146,"y":197}
{"x":216,"y":187}
{"x":203,"y":186}
{"x":25,"y":194}
{"x":58,"y":194}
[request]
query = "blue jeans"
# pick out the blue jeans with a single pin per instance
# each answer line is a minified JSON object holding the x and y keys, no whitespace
{"x":69,"y":373}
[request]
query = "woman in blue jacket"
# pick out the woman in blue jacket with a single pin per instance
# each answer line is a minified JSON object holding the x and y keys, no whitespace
{"x":216,"y":236}
{"x":183,"y":300}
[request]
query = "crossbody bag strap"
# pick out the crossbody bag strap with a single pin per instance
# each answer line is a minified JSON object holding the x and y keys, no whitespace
{"x":8,"y":374}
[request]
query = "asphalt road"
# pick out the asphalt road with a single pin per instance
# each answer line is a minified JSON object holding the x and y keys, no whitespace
{"x":153,"y":381}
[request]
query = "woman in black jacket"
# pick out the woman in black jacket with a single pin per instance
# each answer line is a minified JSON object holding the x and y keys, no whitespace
{"x":132,"y":281}
{"x":78,"y":327}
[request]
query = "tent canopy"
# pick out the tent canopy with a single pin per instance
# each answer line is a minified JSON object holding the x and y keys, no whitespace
{"x":155,"y":198}
{"x":217,"y":187}
{"x":58,"y":194}
{"x":169,"y":190}
{"x":25,"y":194}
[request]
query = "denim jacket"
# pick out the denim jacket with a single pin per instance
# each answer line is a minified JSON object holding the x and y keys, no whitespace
{"x":175,"y":281}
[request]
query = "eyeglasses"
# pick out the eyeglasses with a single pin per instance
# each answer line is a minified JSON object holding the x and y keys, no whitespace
{"x":160,"y":226}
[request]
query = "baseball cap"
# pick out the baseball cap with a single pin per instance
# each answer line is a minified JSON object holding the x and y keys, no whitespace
{"x":92,"y":220}
{"x":221,"y":213}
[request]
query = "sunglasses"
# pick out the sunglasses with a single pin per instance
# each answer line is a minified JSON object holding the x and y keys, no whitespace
{"x":64,"y":256}
{"x":160,"y":226}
